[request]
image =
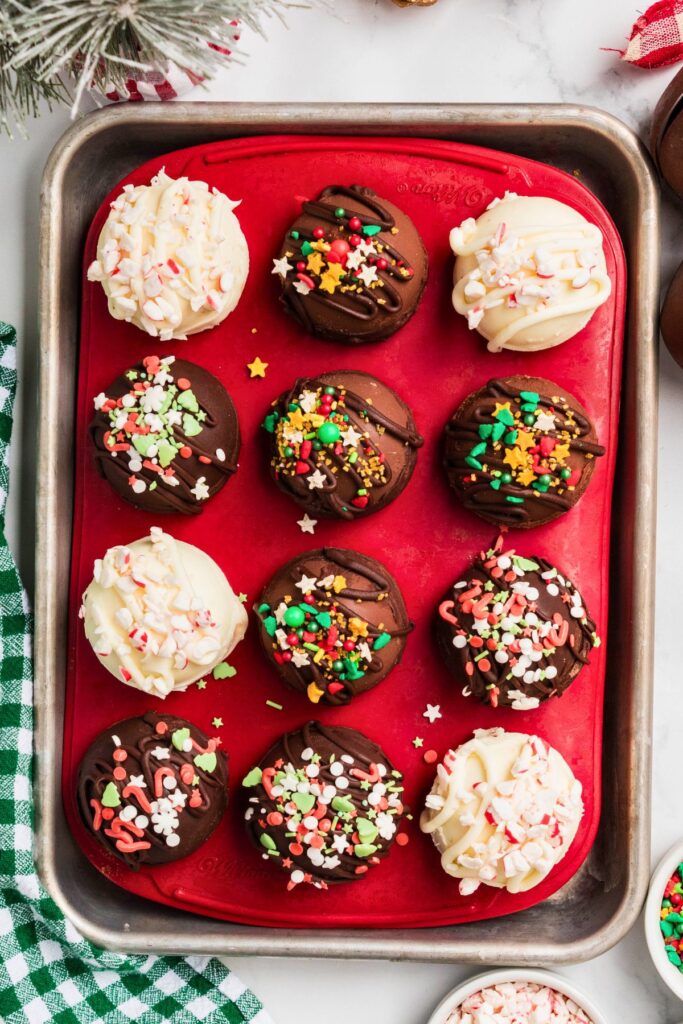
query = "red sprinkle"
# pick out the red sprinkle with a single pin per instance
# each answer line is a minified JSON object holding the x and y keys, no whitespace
{"x":402,"y":839}
{"x":429,"y":757}
{"x":183,"y":383}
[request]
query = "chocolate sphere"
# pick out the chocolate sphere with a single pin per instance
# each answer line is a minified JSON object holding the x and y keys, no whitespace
{"x":152,"y":789}
{"x":514,"y":630}
{"x":352,"y":266}
{"x":343,"y":444}
{"x":325,"y":804}
{"x":334,"y":624}
{"x":520,"y":451}
{"x":166,"y":435}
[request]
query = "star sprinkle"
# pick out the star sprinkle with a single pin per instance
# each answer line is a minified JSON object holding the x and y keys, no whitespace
{"x":316,"y":480}
{"x":306,"y":584}
{"x":217,"y":723}
{"x":368,"y":275}
{"x":302,"y":288}
{"x":525,"y":440}
{"x":242,"y":597}
{"x":418,"y":742}
{"x":365,"y":249}
{"x":515,"y":458}
{"x":329,"y":282}
{"x":257,"y":368}
{"x":201,"y":685}
{"x":200,"y":489}
{"x":501,"y":407}
{"x":432,"y":713}
{"x":354,"y":259}
{"x":307,"y":525}
{"x":526,"y":476}
{"x":314,"y":263}
{"x":300,"y":658}
{"x":282,"y":267}
{"x":350,"y":437}
{"x":545,"y":421}
{"x":308,"y":400}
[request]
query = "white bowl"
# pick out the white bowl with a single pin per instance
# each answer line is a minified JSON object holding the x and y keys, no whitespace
{"x":537,"y":977}
{"x":653,"y":936}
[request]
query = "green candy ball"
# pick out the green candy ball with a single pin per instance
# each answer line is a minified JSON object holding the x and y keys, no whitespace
{"x":565,"y":474}
{"x":294,"y":617}
{"x":544,"y":480}
{"x":340,"y":212}
{"x":529,"y":420}
{"x":506,"y":478}
{"x":328,"y":433}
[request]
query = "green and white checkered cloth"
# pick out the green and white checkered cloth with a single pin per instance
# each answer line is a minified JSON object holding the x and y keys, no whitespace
{"x":48,"y":972}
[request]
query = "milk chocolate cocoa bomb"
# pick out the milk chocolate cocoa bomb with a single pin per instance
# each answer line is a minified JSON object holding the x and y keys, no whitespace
{"x":352,"y":266}
{"x":166,"y":435}
{"x":152,"y":789}
{"x":342,"y":445}
{"x":520,"y":451}
{"x":333,"y":623}
{"x":324,"y":804}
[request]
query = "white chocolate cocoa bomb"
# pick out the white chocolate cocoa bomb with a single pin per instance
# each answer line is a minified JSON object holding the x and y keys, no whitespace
{"x":529,"y":273}
{"x":160,"y":614}
{"x":171,"y":257}
{"x":503,"y":811}
{"x":513,"y":1001}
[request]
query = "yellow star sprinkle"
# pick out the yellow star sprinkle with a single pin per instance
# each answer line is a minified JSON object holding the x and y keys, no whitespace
{"x":524,"y":440}
{"x":257,"y":368}
{"x":358,"y":627}
{"x":335,"y":269}
{"x":525,"y":477}
{"x":515,"y":458}
{"x":328,"y":283}
{"x":500,"y":408}
{"x":339,"y":584}
{"x":314,"y":263}
{"x":561,"y":452}
{"x":296,"y":419}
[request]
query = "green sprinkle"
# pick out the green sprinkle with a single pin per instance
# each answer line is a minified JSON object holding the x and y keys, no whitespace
{"x":366,"y":830}
{"x":340,"y":212}
{"x":478,"y":449}
{"x":474,"y":463}
{"x":294,"y":235}
{"x":382,"y":640}
{"x":513,"y":500}
{"x":324,"y":619}
{"x":267,"y":842}
{"x":303,"y":801}
{"x":206,"y":761}
{"x":224,"y":671}
{"x":166,"y":453}
{"x":485,"y":430}
{"x":178,"y":738}
{"x":498,"y":431}
{"x":364,"y":850}
{"x":495,"y":484}
{"x":306,"y":249}
{"x":188,"y":401}
{"x":342,"y":805}
{"x":110,"y":797}
{"x":506,"y":417}
{"x":274,"y":704}
{"x":191,"y":427}
{"x":511,"y":437}
{"x":530,"y":396}
{"x":270,"y":625}
{"x":525,"y":564}
{"x":371,"y":229}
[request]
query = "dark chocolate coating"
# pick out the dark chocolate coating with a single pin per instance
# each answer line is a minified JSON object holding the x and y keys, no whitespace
{"x":671,"y":323}
{"x":380,"y":463}
{"x":202,"y":446}
{"x":354,"y":311}
{"x":516,"y":473}
{"x":666,"y":136}
{"x":350,"y":830}
{"x":360,"y":605}
{"x":500,"y":590}
{"x":188,"y":824}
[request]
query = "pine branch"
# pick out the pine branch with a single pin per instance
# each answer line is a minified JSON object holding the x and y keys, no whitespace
{"x":101,"y":43}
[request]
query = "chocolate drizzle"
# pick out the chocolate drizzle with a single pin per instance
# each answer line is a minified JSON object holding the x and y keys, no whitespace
{"x":353,"y":310}
{"x":490,"y":473}
{"x":356,"y":479}
{"x":193,"y":466}
{"x":353,"y":843}
{"x":515,"y":631}
{"x":124,"y":769}
{"x":360,"y":636}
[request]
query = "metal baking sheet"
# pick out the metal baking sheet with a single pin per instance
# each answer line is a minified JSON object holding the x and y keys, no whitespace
{"x":601,"y":902}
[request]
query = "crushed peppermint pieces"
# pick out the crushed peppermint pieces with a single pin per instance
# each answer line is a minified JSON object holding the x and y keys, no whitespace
{"x":513,"y":1002}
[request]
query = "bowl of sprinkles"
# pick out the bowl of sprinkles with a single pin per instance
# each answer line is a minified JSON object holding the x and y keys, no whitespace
{"x":512,"y":995}
{"x":664,"y":919}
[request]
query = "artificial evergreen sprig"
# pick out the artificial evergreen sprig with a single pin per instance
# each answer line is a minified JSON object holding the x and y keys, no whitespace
{"x":101,"y":43}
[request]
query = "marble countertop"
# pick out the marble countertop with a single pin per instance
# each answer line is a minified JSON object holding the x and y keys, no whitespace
{"x":457,"y":51}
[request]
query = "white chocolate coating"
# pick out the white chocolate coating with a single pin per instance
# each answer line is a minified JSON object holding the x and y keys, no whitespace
{"x":171,"y":257}
{"x":503,"y":811}
{"x":511,"y":1002}
{"x":529,"y":273}
{"x":160,"y":614}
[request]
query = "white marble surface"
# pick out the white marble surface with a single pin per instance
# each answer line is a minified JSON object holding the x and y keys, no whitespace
{"x":459,"y":50}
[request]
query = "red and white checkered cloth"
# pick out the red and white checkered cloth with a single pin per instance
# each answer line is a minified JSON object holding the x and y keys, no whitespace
{"x":657,"y":37}
{"x":167,"y":85}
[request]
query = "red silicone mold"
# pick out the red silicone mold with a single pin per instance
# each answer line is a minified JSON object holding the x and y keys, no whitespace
{"x":425,"y":538}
